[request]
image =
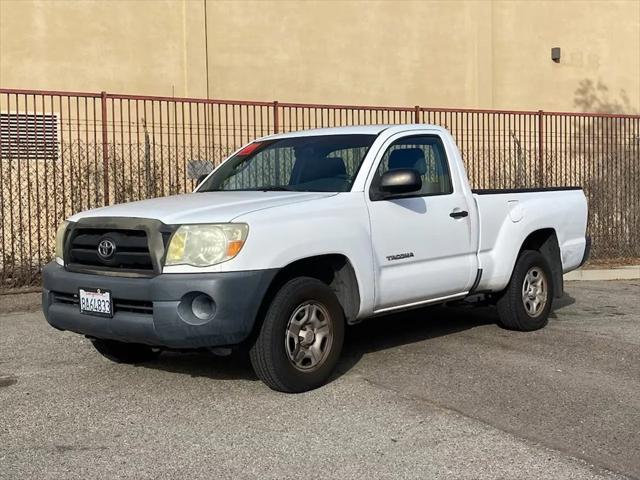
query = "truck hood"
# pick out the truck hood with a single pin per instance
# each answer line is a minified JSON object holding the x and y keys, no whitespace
{"x":205,"y":207}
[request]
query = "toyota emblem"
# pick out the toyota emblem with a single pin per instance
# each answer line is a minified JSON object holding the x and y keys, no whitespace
{"x":106,"y":249}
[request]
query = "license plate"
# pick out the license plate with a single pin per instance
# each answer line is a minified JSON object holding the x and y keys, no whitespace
{"x":95,"y":302}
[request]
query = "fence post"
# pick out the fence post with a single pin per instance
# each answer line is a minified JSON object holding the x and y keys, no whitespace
{"x":105,"y":142}
{"x":540,"y":148}
{"x":276,"y":117}
{"x":416,"y":114}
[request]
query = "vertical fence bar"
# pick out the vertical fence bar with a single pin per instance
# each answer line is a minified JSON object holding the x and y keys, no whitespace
{"x":540,"y":148}
{"x":105,"y":143}
{"x":276,"y":118}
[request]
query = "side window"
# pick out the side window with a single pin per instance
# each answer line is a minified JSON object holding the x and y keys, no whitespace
{"x":426,"y":155}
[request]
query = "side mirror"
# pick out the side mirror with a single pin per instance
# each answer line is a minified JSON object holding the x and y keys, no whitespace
{"x":201,"y":178}
{"x":400,"y":181}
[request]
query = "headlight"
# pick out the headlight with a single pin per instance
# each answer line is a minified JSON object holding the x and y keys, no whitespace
{"x":206,"y":245}
{"x":60,"y":240}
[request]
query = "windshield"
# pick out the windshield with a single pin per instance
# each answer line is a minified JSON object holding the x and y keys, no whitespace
{"x":323,"y":163}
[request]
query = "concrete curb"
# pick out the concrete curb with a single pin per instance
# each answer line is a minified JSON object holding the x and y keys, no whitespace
{"x":631,"y":272}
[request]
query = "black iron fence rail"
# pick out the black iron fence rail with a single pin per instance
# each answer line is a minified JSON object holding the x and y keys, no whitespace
{"x":63,"y":152}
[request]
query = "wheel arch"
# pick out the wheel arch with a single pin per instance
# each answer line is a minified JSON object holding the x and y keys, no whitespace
{"x":333,"y":269}
{"x":545,"y":241}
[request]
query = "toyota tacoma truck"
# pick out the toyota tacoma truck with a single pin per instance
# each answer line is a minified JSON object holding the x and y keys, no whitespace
{"x":297,"y":235}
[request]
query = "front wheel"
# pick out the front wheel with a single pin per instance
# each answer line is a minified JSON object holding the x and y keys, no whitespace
{"x":301,"y":337}
{"x":526,"y":302}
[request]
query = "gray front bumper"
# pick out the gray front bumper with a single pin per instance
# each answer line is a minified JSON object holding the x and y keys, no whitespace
{"x":237,"y":296}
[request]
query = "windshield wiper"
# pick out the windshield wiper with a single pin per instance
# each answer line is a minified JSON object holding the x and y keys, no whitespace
{"x":268,"y":188}
{"x":275,"y":188}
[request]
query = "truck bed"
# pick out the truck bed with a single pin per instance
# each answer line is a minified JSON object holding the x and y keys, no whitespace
{"x":507,"y":215}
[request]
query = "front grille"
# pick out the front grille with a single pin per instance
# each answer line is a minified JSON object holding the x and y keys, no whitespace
{"x":131,"y":249}
{"x":119,"y":305}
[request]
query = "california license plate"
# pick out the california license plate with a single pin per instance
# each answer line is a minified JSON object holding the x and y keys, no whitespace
{"x":95,"y":302}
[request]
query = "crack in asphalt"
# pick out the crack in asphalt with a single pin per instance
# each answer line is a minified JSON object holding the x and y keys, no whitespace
{"x":8,"y":380}
{"x":597,"y":467}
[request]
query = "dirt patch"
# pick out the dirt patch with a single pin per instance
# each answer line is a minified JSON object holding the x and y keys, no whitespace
{"x":599,"y":263}
{"x":20,"y":302}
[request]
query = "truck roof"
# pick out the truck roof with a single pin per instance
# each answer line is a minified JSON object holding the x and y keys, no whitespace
{"x":353,"y":130}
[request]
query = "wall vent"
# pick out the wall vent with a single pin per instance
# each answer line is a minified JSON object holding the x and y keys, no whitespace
{"x":28,"y":136}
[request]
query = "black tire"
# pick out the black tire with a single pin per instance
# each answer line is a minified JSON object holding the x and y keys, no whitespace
{"x":270,"y":354}
{"x":512,"y":305}
{"x":121,"y":352}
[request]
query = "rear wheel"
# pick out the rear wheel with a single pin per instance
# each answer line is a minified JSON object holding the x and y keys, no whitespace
{"x":121,"y":352}
{"x":526,"y":302}
{"x":301,"y":337}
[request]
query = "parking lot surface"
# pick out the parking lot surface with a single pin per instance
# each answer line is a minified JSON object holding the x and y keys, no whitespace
{"x":434,"y":393}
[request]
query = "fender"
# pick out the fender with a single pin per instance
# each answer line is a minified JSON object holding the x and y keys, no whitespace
{"x":336,"y":225}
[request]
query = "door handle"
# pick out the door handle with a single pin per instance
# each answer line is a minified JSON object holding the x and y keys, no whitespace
{"x":459,"y":214}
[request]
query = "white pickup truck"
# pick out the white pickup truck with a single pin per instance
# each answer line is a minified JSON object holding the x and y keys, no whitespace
{"x":297,"y":235}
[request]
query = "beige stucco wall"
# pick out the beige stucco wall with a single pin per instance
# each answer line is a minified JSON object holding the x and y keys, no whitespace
{"x":485,"y":54}
{"x":120,"y":46}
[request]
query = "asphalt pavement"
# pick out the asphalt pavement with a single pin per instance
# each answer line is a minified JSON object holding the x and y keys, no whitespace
{"x":434,"y":393}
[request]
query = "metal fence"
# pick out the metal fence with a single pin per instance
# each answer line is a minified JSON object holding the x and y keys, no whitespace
{"x":63,"y":152}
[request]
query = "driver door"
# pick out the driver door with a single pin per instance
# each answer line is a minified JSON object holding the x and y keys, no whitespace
{"x":421,"y":251}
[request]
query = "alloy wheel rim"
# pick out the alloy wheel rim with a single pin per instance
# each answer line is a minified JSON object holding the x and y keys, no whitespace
{"x":534,"y":292}
{"x":308,"y":336}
